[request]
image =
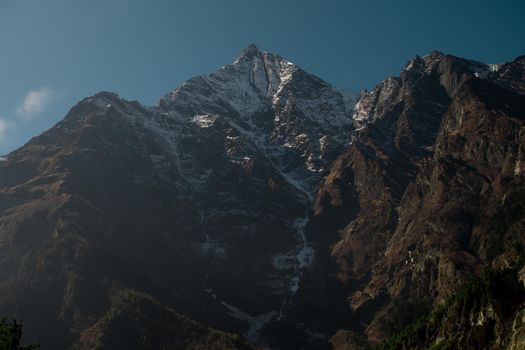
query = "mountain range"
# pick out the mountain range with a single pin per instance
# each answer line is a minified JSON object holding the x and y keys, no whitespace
{"x":259,"y":206}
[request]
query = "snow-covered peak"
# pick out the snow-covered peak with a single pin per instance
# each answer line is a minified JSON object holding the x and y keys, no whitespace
{"x":370,"y":104}
{"x":283,"y":111}
{"x":483,"y":70}
{"x":257,"y":81}
{"x":423,"y":64}
{"x":246,"y":86}
{"x":248,"y":53}
{"x":415,"y":63}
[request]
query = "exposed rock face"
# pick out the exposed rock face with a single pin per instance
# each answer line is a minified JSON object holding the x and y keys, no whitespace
{"x":427,"y":184}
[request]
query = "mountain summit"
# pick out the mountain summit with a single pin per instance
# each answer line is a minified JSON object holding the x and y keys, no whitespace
{"x":284,"y":111}
{"x":249,"y":52}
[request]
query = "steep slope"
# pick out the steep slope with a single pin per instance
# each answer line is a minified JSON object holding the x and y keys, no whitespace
{"x":487,"y":313}
{"x":199,"y":203}
{"x":434,"y":162}
{"x":137,"y":321}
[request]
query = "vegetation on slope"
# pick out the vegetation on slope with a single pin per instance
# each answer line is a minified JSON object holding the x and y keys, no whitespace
{"x":11,"y":336}
{"x":135,"y":320}
{"x":488,"y":313}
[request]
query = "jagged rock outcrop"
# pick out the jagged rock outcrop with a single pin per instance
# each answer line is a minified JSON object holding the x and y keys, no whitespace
{"x":433,"y":168}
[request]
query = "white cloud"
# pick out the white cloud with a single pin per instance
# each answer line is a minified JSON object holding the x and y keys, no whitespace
{"x":5,"y":126}
{"x":35,"y":101}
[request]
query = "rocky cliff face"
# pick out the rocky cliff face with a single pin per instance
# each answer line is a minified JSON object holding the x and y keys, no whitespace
{"x":260,"y":200}
{"x":428,"y":183}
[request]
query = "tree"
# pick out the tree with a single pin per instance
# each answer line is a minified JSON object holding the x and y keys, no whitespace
{"x":11,"y":336}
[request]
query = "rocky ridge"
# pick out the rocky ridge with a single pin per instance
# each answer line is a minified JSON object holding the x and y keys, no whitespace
{"x":443,"y":143}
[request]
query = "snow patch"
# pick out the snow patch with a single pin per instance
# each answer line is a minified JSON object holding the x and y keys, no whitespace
{"x":304,"y":256}
{"x":204,"y":120}
{"x":212,"y":247}
{"x":296,"y":184}
{"x":482,"y":70}
{"x":494,"y":67}
{"x":255,"y":322}
{"x":298,"y":258}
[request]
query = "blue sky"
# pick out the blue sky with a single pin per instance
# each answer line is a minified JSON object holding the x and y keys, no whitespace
{"x":55,"y":52}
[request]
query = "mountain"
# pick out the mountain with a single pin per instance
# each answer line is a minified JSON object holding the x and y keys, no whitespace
{"x":260,"y":200}
{"x":198,"y":203}
{"x":431,"y":188}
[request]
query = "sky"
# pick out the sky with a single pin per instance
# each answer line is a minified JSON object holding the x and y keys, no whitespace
{"x":55,"y":52}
